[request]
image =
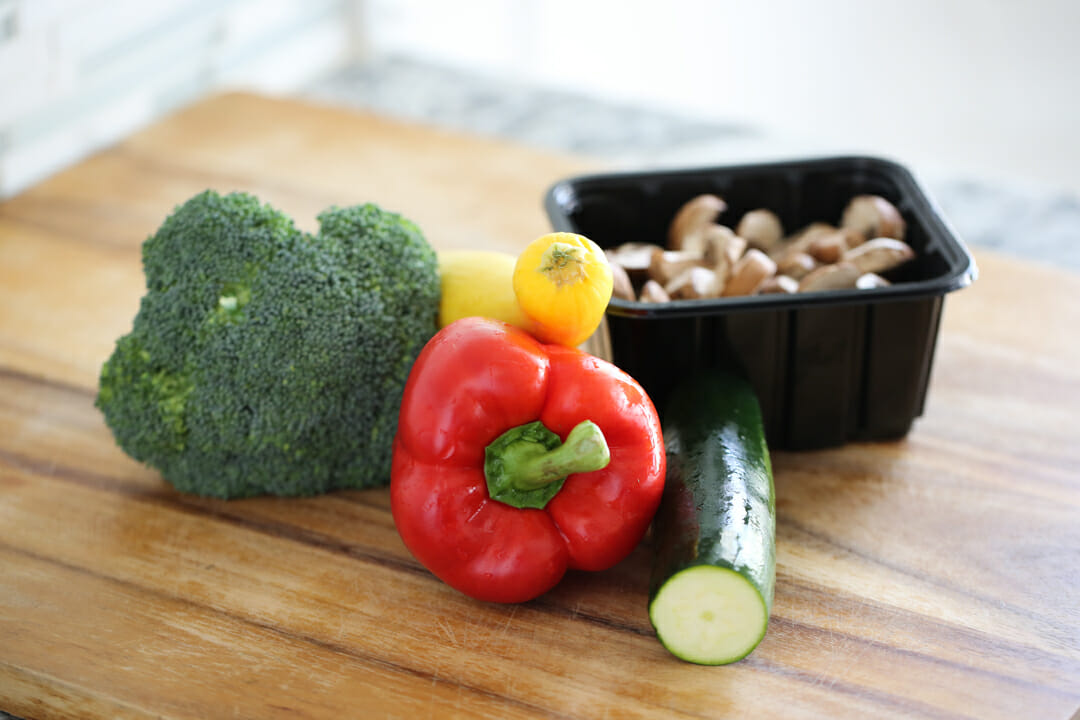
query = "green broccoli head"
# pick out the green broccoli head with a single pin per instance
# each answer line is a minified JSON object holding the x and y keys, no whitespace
{"x":265,"y":360}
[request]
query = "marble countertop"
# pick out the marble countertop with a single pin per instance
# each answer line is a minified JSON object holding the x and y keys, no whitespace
{"x":1036,"y":223}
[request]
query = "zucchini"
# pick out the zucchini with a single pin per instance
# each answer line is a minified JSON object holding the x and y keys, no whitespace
{"x":714,"y":570}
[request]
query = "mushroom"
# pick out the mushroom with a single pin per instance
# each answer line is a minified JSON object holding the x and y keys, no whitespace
{"x":779,"y":284}
{"x":838,"y":276}
{"x":800,"y":242}
{"x":873,"y":216}
{"x":633,"y":257}
{"x":652,"y":292}
{"x":685,"y":231}
{"x":704,"y":258}
{"x":723,"y":248}
{"x":694,"y":283}
{"x":666,"y":264}
{"x":796,"y":265}
{"x":621,"y":285}
{"x":853,"y":237}
{"x":829,"y":247}
{"x":869,"y":281}
{"x":761,"y":228}
{"x":879,"y":255}
{"x":752,"y":269}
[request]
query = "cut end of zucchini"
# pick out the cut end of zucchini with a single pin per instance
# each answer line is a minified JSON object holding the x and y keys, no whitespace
{"x":709,"y":615}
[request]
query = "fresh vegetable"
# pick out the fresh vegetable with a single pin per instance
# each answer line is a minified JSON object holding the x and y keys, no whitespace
{"x":563,"y":283}
{"x":711,"y":590}
{"x":267,"y":360}
{"x":479,"y":283}
{"x":516,"y":460}
{"x":704,"y":259}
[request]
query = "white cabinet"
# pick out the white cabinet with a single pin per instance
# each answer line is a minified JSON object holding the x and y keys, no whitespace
{"x":79,"y":74}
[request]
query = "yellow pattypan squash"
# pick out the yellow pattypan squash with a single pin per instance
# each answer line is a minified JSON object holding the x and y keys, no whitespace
{"x":563,"y":284}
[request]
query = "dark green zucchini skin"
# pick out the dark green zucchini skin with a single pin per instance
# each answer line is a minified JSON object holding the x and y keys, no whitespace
{"x":718,"y":506}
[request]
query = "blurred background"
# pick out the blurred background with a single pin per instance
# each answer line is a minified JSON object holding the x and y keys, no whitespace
{"x":979,"y":97}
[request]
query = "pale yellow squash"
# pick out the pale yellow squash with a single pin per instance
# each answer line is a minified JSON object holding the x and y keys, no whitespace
{"x":479,"y":283}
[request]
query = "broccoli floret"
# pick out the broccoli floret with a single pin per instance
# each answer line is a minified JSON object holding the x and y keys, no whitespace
{"x":265,"y":360}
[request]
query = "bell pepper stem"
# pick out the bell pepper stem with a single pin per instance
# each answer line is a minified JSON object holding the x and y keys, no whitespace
{"x":584,"y":450}
{"x":527,"y":465}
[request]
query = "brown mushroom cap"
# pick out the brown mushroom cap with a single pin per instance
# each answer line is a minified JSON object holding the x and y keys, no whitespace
{"x":695,"y":283}
{"x":685,"y":230}
{"x":873,"y":216}
{"x":761,"y":228}
{"x":666,"y":264}
{"x":796,"y":265}
{"x":828,"y":247}
{"x":723,"y":248}
{"x":800,"y":242}
{"x":753,"y":269}
{"x":838,"y":276}
{"x":879,"y":255}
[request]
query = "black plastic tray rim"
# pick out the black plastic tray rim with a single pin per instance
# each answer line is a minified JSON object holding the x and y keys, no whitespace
{"x":560,"y":197}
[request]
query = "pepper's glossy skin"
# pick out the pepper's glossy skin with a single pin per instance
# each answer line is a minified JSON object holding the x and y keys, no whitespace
{"x":476,"y":379}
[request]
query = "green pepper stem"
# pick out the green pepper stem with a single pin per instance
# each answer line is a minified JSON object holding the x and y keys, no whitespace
{"x":526,"y":466}
{"x":584,"y":450}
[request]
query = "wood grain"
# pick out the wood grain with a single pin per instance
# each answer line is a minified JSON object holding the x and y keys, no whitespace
{"x":933,"y":577}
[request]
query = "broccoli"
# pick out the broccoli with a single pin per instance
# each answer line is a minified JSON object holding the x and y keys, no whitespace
{"x":265,"y":360}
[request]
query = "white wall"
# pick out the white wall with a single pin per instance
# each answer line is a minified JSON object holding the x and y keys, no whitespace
{"x":984,"y":87}
{"x":79,"y":74}
{"x":978,"y":87}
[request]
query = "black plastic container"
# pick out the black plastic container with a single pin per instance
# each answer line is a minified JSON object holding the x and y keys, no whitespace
{"x":828,"y":367}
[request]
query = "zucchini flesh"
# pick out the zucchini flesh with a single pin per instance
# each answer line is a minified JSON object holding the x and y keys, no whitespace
{"x":714,"y":571}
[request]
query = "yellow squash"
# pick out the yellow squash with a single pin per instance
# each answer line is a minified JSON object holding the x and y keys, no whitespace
{"x":479,"y":283}
{"x":563,"y":284}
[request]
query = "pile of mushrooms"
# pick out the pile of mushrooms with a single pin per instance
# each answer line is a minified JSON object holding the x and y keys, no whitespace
{"x":706,"y":259}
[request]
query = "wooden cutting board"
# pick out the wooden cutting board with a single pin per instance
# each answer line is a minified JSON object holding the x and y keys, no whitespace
{"x":938,"y":576}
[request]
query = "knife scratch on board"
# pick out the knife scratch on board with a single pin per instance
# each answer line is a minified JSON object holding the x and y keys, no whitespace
{"x":448,"y":632}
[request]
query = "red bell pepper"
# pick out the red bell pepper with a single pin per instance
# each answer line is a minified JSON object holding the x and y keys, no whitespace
{"x":515,"y":461}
